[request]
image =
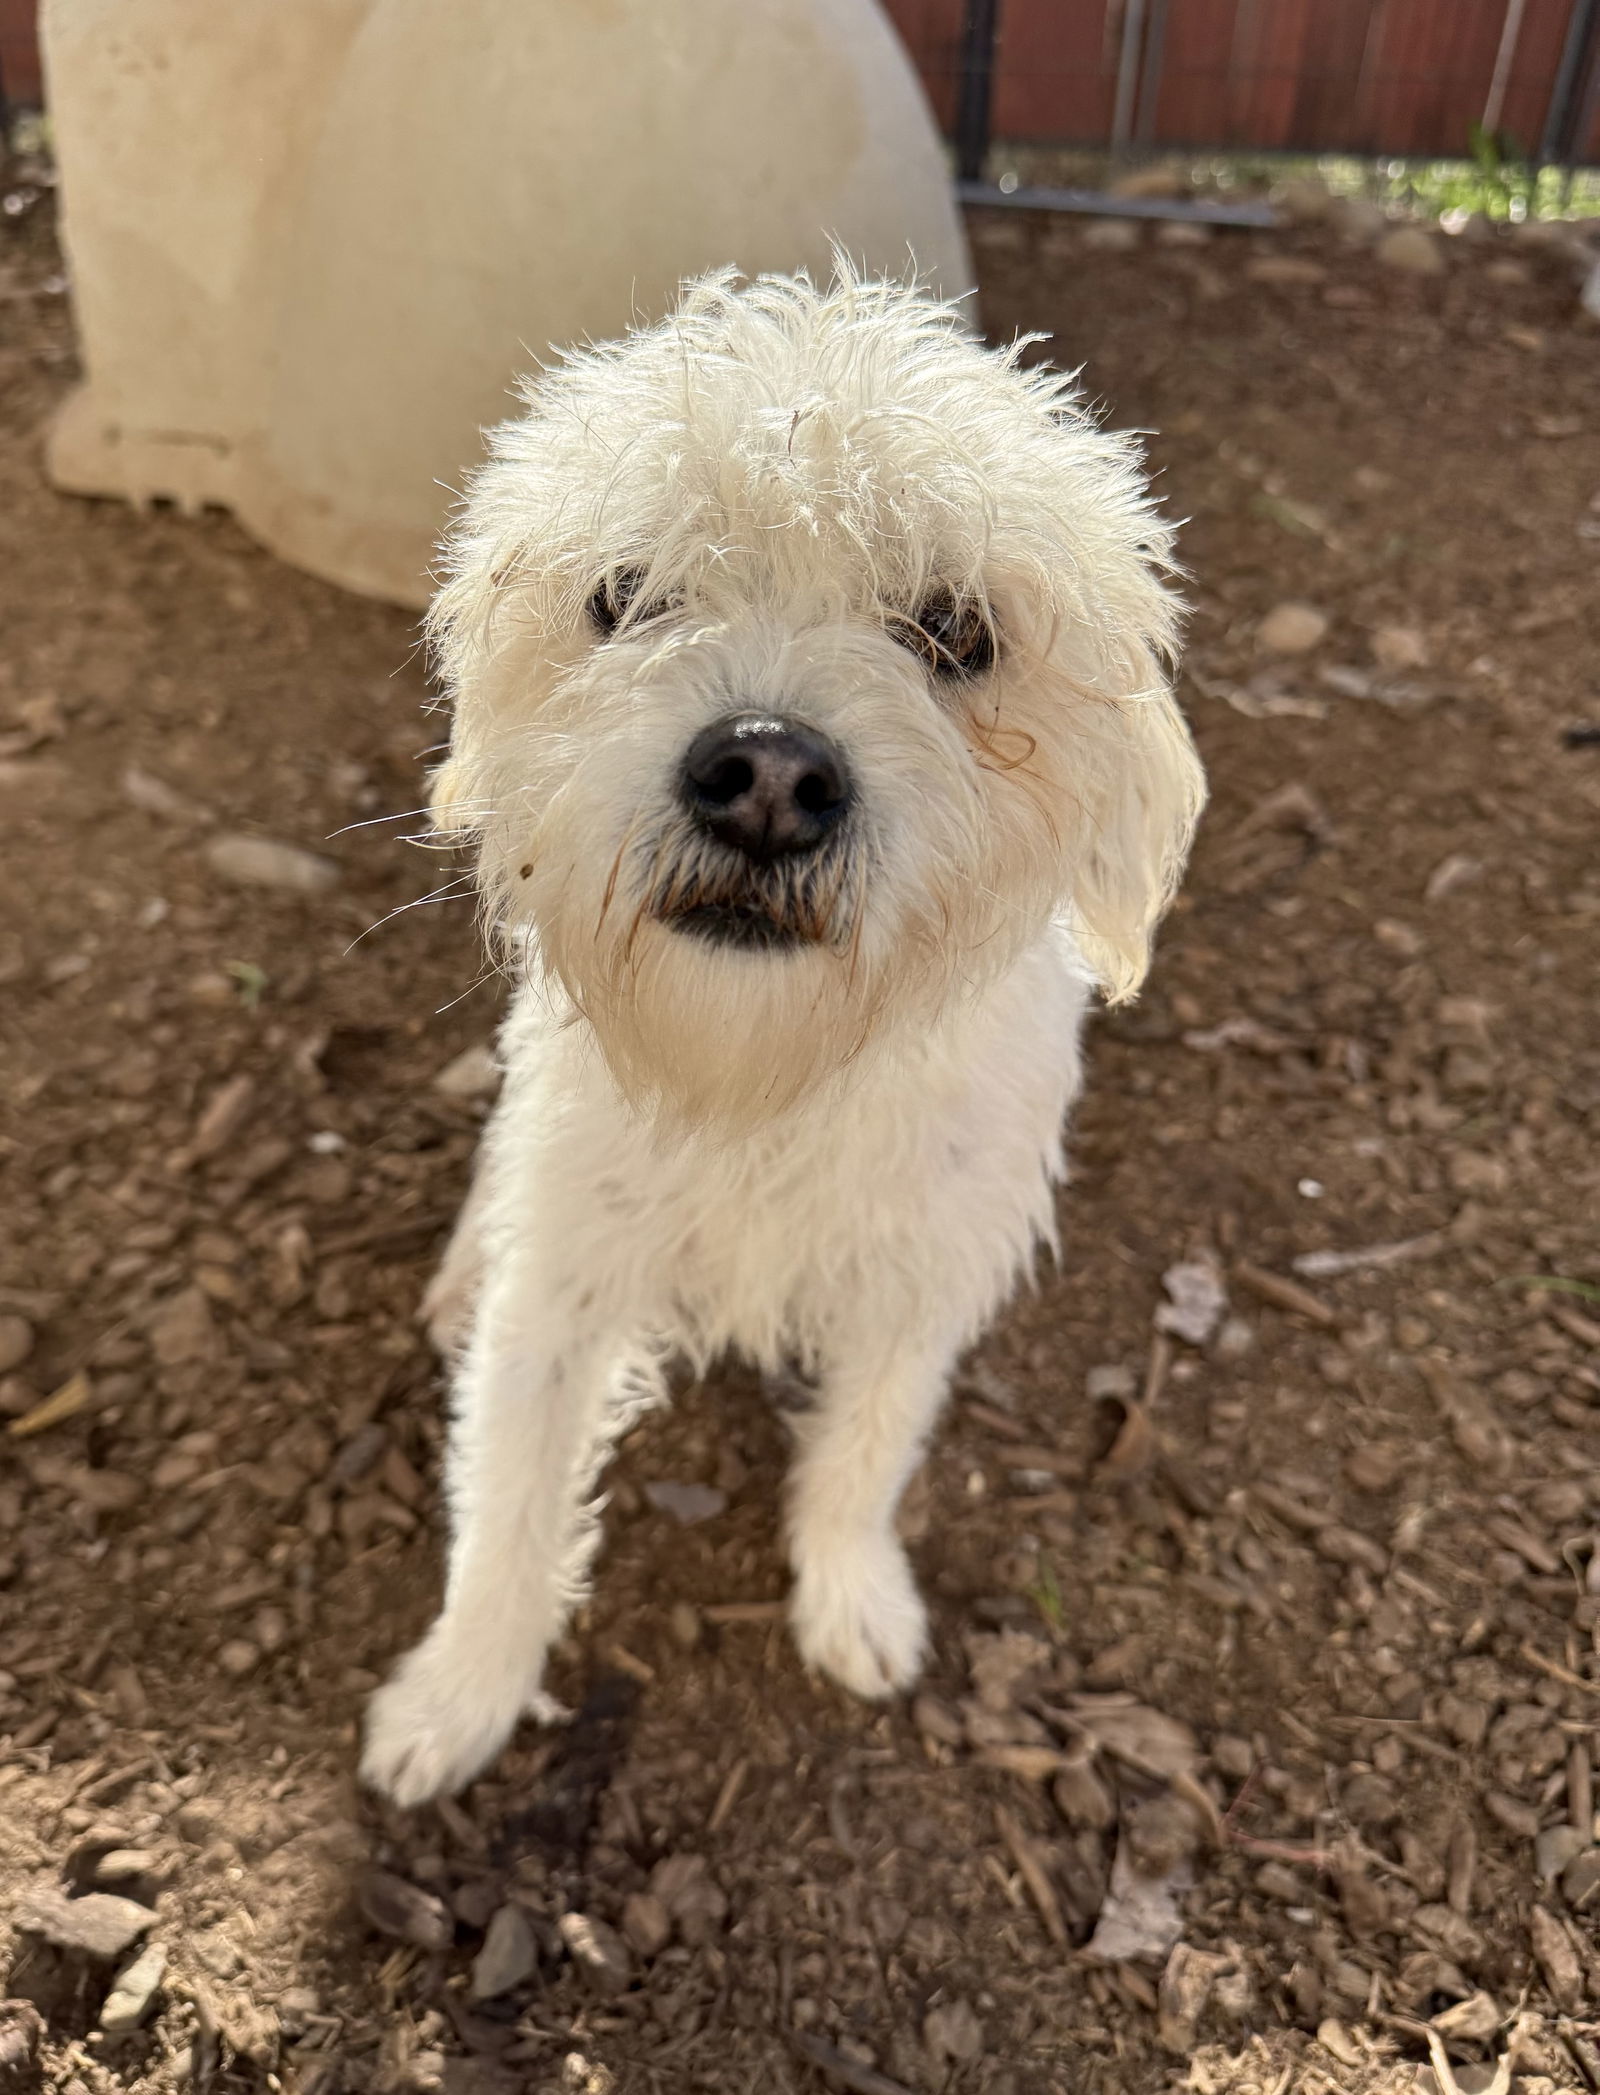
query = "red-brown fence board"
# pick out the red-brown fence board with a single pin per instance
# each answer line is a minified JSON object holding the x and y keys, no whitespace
{"x":1382,"y":77}
{"x":19,"y":50}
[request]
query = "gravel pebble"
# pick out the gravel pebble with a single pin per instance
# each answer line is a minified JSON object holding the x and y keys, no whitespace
{"x":264,"y":862}
{"x":598,"y":1951}
{"x":1292,"y":629}
{"x":646,"y":1924}
{"x":509,"y":1956}
{"x":1411,"y":249}
{"x":99,"y":1925}
{"x":133,"y":1992}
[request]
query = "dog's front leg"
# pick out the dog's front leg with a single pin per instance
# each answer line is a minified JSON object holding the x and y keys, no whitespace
{"x":855,"y":1607}
{"x":530,"y":1407}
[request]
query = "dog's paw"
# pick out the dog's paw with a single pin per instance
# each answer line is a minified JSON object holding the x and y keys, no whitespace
{"x":438,"y":1723}
{"x":857,"y":1616}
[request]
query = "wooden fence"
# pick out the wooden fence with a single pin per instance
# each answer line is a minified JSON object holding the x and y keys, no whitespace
{"x":1372,"y":77}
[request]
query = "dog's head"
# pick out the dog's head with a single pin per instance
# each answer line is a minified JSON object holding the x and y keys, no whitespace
{"x":807,"y":660}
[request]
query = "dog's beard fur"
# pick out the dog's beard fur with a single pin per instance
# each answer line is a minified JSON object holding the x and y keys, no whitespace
{"x":1061,"y":785}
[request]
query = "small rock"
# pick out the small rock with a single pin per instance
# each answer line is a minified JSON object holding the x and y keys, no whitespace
{"x":1111,"y":235}
{"x":952,"y":2031}
{"x":1555,"y":1847}
{"x":238,"y":1657}
{"x":133,"y":1991}
{"x":646,"y":1924}
{"x":685,"y":1624}
{"x":474,"y":1073}
{"x":1305,"y":199}
{"x":1113,"y":1379}
{"x":509,"y":1956}
{"x":1292,"y":629}
{"x":124,"y":1865}
{"x":1465,"y":1718}
{"x":199,"y":1820}
{"x":403,"y":1910}
{"x":182,"y":1329}
{"x":1182,"y":232}
{"x":688,"y":1504}
{"x":599,"y":1952}
{"x":99,"y":1925}
{"x":103,"y":1490}
{"x":1196,"y":1301}
{"x":263,"y":862}
{"x":1275,"y":1880}
{"x":1411,"y":249}
{"x":1375,"y":1465}
{"x":1580,"y":1880}
{"x":153,"y":796}
{"x":16,"y":1342}
{"x":1399,"y":647}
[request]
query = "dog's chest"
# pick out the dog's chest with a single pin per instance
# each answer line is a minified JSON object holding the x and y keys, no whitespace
{"x":912,"y":1196}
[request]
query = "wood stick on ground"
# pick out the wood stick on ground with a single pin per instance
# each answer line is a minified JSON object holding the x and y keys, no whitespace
{"x":1155,"y":1373}
{"x":1283,"y":1294}
{"x":1031,"y":1868}
{"x":728,"y":1796}
{"x":1580,"y":1788}
{"x":1462,"y":1866}
{"x":1563,"y":1673}
{"x":382,"y":1235}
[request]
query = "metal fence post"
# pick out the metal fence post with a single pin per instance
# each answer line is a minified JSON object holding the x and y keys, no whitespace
{"x":975,"y":110}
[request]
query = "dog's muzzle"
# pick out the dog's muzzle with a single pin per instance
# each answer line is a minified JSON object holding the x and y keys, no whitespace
{"x":768,"y":800}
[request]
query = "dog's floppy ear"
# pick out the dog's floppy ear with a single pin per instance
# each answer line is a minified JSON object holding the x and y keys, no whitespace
{"x":1143,"y":794}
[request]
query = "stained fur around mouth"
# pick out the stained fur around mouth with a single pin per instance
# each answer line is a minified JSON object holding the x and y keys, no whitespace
{"x":708,"y":892}
{"x":738,"y":925}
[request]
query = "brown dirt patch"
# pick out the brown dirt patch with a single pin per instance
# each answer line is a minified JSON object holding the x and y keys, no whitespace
{"x":1351,"y":1550}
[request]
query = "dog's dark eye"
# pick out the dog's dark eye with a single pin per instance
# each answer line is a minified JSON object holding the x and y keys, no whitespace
{"x":954,"y":637}
{"x":615,"y":598}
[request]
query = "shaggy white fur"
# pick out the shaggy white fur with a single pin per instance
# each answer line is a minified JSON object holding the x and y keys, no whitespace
{"x":809,"y":1104}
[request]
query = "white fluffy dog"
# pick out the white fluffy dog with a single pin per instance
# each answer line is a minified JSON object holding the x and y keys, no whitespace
{"x":812,"y":724}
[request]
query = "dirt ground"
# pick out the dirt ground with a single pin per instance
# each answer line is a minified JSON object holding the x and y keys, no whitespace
{"x":1282,"y":1635}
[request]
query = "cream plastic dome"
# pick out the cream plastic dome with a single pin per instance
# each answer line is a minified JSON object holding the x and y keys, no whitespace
{"x":313,"y":244}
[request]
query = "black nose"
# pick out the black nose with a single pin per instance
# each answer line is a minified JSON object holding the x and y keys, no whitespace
{"x":767,"y":786}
